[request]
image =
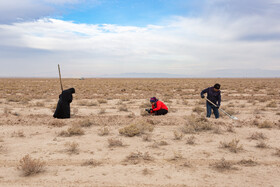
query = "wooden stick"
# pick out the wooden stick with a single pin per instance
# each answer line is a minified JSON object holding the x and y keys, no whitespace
{"x":60,"y":78}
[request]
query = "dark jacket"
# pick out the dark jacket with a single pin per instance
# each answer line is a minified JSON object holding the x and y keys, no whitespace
{"x":63,"y":105}
{"x":212,"y":95}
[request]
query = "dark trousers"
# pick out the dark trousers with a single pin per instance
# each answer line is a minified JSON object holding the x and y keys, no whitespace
{"x":209,"y":108}
{"x":161,"y":112}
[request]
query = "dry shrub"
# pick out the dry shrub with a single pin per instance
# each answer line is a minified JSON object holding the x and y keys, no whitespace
{"x":230,"y":128}
{"x":162,"y":143}
{"x":266,"y":124}
{"x":72,"y":148}
{"x":147,"y":171}
{"x":197,"y":124}
{"x":131,"y":115}
{"x":13,"y":98}
{"x":57,"y":123}
{"x":136,"y":158}
{"x":91,"y":162}
{"x":136,"y":129}
{"x":223,"y":165}
{"x":257,"y":136}
{"x":39,"y":104}
{"x":75,"y":130}
{"x":102,"y":101}
{"x":147,"y":137}
{"x":178,"y":135}
{"x":18,"y":134}
{"x":277,"y":152}
{"x":123,"y":108}
{"x":30,"y":166}
{"x":232,"y":146}
{"x":218,"y":130}
{"x":262,"y":145}
{"x":176,"y":156}
{"x":248,"y":162}
{"x":103,"y":131}
{"x":198,"y":109}
{"x":191,"y":140}
{"x":113,"y":142}
{"x":272,"y":104}
{"x":85,"y":123}
{"x":102,"y":111}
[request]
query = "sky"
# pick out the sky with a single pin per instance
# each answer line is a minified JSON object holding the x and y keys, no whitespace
{"x":97,"y":38}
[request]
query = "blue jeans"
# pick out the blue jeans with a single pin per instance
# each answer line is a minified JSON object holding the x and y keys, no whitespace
{"x":209,"y":108}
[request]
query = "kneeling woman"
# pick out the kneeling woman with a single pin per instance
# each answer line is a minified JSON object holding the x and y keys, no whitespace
{"x":158,"y":107}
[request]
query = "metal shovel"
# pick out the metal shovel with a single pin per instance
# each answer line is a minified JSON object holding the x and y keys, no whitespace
{"x":232,"y":117}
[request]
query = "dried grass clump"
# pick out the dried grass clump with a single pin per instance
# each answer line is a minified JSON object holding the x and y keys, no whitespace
{"x":123,"y":108}
{"x":102,"y":111}
{"x":232,"y":146}
{"x":104,"y":131}
{"x":30,"y":166}
{"x":75,"y":130}
{"x":19,"y":134}
{"x":147,"y":171}
{"x":13,"y":98}
{"x":191,"y":140}
{"x":248,"y":162}
{"x":57,"y":123}
{"x":85,"y":123}
{"x":178,"y":135}
{"x":72,"y":148}
{"x":176,"y":156}
{"x":223,"y":165}
{"x":272,"y":104}
{"x":257,"y":136}
{"x":147,"y":137}
{"x":266,"y":124}
{"x":102,"y":101}
{"x":198,"y":109}
{"x":196,"y":124}
{"x":136,"y":129}
{"x":136,"y":158}
{"x":261,"y":144}
{"x":91,"y":162}
{"x":277,"y":152}
{"x":113,"y":142}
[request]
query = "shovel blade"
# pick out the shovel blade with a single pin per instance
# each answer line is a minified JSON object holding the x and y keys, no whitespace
{"x":233,"y":117}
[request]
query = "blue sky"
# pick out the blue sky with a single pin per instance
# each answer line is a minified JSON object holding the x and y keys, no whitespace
{"x":88,"y":38}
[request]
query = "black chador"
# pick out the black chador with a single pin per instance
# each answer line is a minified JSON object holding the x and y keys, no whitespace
{"x":63,"y":105}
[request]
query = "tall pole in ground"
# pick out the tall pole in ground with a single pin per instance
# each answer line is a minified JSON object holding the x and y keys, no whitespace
{"x":60,"y":78}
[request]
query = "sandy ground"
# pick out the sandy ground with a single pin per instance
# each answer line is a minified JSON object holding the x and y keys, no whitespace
{"x":29,"y":129}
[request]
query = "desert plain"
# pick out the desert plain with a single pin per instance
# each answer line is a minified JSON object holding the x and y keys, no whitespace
{"x":110,"y":140}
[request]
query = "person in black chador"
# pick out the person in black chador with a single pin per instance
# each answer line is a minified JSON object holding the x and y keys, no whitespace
{"x":63,"y":105}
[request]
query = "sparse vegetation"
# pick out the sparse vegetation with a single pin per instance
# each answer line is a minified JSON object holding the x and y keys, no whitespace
{"x":72,"y":147}
{"x":103,"y":131}
{"x":257,"y":136}
{"x":75,"y":130}
{"x":232,"y":146}
{"x":136,"y":129}
{"x":136,"y":158}
{"x":30,"y":166}
{"x":114,"y":142}
{"x":223,"y":165}
{"x":91,"y":162}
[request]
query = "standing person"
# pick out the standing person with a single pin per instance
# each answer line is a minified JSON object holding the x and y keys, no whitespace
{"x":158,"y":107}
{"x":214,"y":95}
{"x":63,"y":105}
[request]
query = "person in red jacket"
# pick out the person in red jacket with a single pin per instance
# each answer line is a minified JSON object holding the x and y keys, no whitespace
{"x":158,"y":107}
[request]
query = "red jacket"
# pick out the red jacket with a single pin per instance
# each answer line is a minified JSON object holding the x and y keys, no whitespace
{"x":159,"y":105}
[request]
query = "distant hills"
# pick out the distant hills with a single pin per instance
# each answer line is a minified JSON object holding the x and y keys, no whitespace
{"x":224,"y":73}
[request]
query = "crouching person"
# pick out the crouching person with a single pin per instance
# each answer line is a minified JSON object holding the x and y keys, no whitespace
{"x":63,"y":105}
{"x":158,"y":107}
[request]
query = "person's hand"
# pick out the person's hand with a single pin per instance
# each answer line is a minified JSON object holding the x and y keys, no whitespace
{"x":218,"y":106}
{"x":202,"y":96}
